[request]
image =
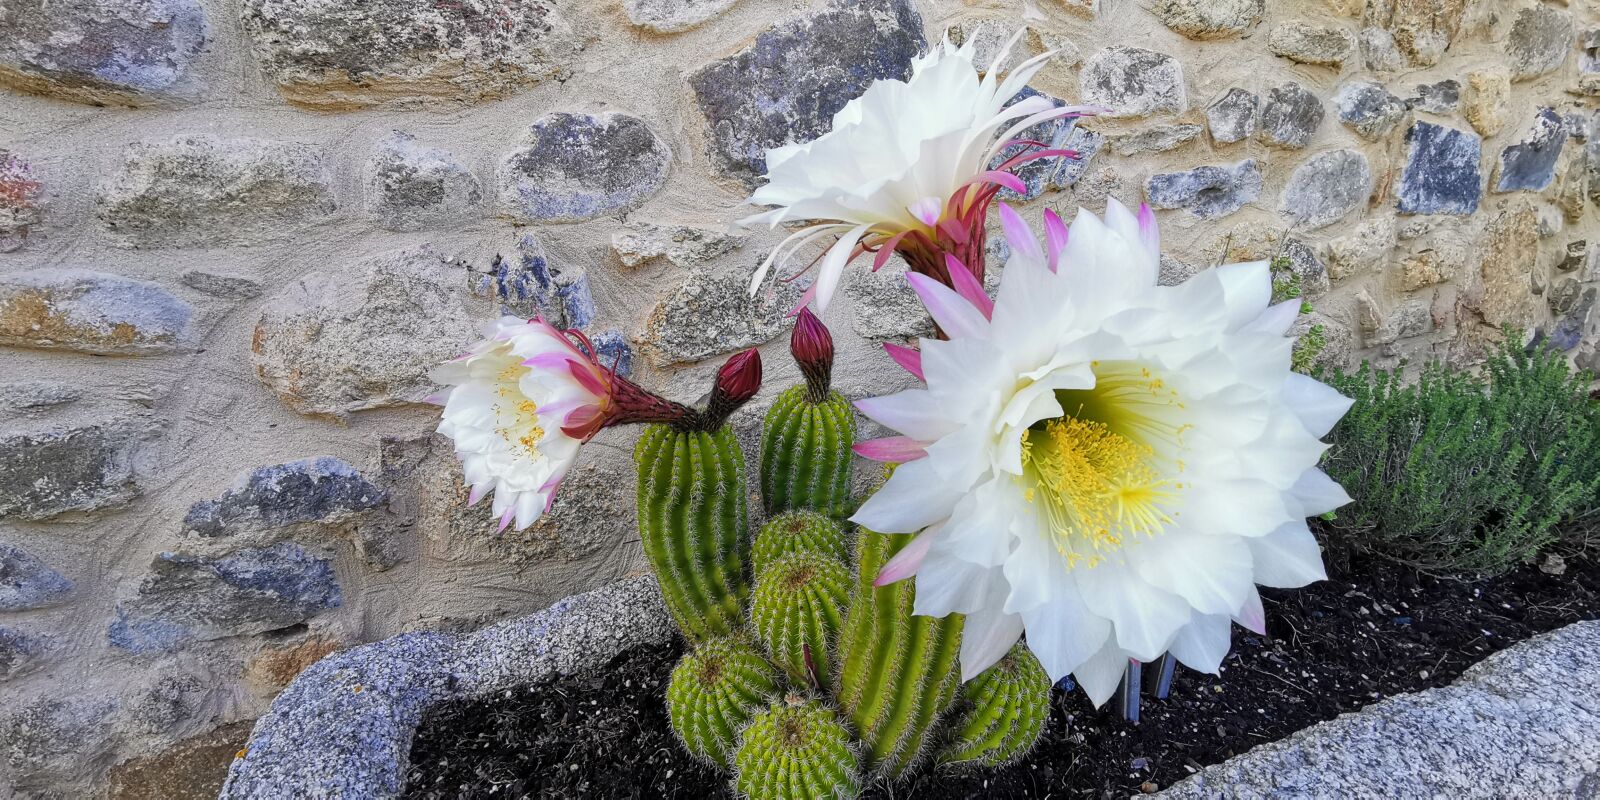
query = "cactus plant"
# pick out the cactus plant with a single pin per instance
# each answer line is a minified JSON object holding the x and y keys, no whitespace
{"x":1005,"y":711}
{"x":714,"y":692}
{"x":799,"y":604}
{"x":796,"y":750}
{"x":799,"y":531}
{"x":805,"y":445}
{"x":694,"y":524}
{"x":897,"y":672}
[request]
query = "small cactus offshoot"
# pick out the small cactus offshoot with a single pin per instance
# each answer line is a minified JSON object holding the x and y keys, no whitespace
{"x":798,"y":607}
{"x":1005,"y":712}
{"x":796,"y":750}
{"x":799,"y":532}
{"x":714,"y":692}
{"x":805,"y":446}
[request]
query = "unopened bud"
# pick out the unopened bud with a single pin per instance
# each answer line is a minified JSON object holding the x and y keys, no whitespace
{"x":812,"y":347}
{"x":737,"y":382}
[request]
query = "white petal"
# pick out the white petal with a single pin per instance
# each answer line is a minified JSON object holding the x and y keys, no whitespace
{"x":913,"y":499}
{"x":1287,"y":558}
{"x":1143,"y":617}
{"x":988,"y":634}
{"x":1102,"y":673}
{"x":1247,"y":289}
{"x":1204,"y":642}
{"x":1276,"y":320}
{"x":1212,"y":573}
{"x":1318,"y":405}
{"x":1317,"y":493}
{"x":913,"y":412}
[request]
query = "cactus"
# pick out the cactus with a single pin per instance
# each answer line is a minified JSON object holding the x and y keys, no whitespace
{"x":694,"y":524}
{"x":798,"y":606}
{"x":897,"y":672}
{"x":799,"y":531}
{"x":796,"y":750}
{"x":805,"y":453}
{"x":1006,"y":709}
{"x":714,"y":692}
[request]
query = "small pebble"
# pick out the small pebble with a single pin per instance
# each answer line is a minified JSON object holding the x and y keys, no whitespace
{"x":1148,"y":787}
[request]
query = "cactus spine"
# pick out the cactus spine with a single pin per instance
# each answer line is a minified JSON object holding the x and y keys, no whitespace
{"x":798,"y":607}
{"x":799,"y":532}
{"x":898,"y":671}
{"x":796,"y":750}
{"x":1006,"y":710}
{"x":805,"y":452}
{"x":694,"y":524}
{"x":714,"y":692}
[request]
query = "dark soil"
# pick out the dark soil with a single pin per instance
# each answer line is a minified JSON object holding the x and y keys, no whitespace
{"x":1377,"y":630}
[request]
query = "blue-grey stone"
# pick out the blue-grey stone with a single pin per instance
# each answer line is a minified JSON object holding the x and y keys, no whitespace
{"x":45,"y":741}
{"x":50,"y":472}
{"x":1441,"y":173}
{"x":1327,"y":188}
{"x":1133,"y":82}
{"x":26,"y":583}
{"x":92,"y":312}
{"x":185,"y":598}
{"x":1539,"y":41}
{"x":1290,"y":116}
{"x":1530,"y":165}
{"x":532,"y":286}
{"x":1209,"y":191}
{"x":1234,"y":116}
{"x":613,"y":351}
{"x":1369,"y":109}
{"x":319,"y":489}
{"x":20,"y":651}
{"x":1438,"y":98}
{"x":581,"y":166}
{"x":1589,"y":62}
{"x":99,"y":51}
{"x":786,"y":86}
{"x":1055,"y":172}
{"x":1571,"y":305}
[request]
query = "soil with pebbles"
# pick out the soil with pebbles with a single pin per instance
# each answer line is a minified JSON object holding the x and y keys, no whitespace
{"x":1374,"y":630}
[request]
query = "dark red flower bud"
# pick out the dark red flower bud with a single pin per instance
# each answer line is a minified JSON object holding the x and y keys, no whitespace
{"x":737,"y":382}
{"x":812,"y":347}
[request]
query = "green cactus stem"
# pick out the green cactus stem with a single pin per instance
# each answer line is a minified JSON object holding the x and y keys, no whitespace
{"x":805,"y":453}
{"x":1005,"y":709}
{"x":796,"y":750}
{"x":714,"y":692}
{"x":798,"y":607}
{"x":799,"y":532}
{"x":694,"y":524}
{"x":897,"y":672}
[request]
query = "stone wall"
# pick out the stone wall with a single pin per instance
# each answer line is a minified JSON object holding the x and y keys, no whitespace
{"x":234,"y":234}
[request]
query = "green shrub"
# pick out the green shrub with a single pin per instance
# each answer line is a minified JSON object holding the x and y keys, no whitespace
{"x":1460,"y":473}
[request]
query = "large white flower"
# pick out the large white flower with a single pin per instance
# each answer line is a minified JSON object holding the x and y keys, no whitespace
{"x":906,"y":166}
{"x":1107,"y":464}
{"x":518,"y":405}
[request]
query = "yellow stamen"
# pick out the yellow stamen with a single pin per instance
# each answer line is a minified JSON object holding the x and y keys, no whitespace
{"x":519,"y":415}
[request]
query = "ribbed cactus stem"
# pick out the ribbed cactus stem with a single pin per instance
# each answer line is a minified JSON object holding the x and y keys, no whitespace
{"x":1004,"y":712}
{"x":805,"y":453}
{"x":799,"y":532}
{"x":897,"y":673}
{"x":694,"y":524}
{"x":796,"y":750}
{"x":714,"y":692}
{"x":797,"y":610}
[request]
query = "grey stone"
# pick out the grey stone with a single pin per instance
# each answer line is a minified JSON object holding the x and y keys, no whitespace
{"x":1304,"y":264}
{"x":1305,"y":43}
{"x":1155,"y":139}
{"x":1577,"y":253}
{"x":672,"y":16}
{"x":228,"y":287}
{"x":1327,"y":188}
{"x":323,"y":490}
{"x":363,"y":337}
{"x":1369,"y":109}
{"x":1518,"y":724}
{"x":1338,"y":341}
{"x":1290,"y":116}
{"x":1530,"y":165}
{"x":1566,"y":333}
{"x":45,"y":740}
{"x":53,"y":471}
{"x":1443,"y":97}
{"x":1174,"y":272}
{"x":336,"y":56}
{"x":1422,"y":29}
{"x":1233,"y":116}
{"x":1209,"y":19}
{"x":34,"y":395}
{"x":202,"y":190}
{"x":534,"y":286}
{"x":187,"y":598}
{"x":682,"y":245}
{"x":885,"y":307}
{"x":1589,"y":63}
{"x":1046,"y":174}
{"x":322,"y":738}
{"x":21,"y":201}
{"x":92,"y":312}
{"x":1364,"y":251}
{"x":100,"y":51}
{"x":712,"y":312}
{"x":581,"y":166}
{"x":412,"y":187}
{"x":1441,"y":172}
{"x":1411,"y":318}
{"x":21,"y":652}
{"x":1539,"y":40}
{"x":1132,"y":82}
{"x":1378,"y":50}
{"x":786,"y":86}
{"x":1209,"y":191}
{"x":27,"y":583}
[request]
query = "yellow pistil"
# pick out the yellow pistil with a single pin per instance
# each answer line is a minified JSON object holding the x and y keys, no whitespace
{"x":519,"y":416}
{"x":1097,"y":487}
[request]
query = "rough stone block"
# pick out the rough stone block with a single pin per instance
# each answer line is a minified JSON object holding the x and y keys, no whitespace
{"x":27,"y":583}
{"x":1209,"y":191}
{"x":124,"y":52}
{"x":1233,"y":117}
{"x":51,"y":472}
{"x":1327,"y":188}
{"x":712,"y":312}
{"x":21,"y":200}
{"x":683,"y":245}
{"x":1209,"y":19}
{"x":1304,"y":43}
{"x":321,"y":490}
{"x":228,"y":287}
{"x":1530,"y":165}
{"x":1508,"y":242}
{"x":1441,"y":172}
{"x":1441,"y":98}
{"x":412,"y":187}
{"x":1369,"y":109}
{"x":581,"y":166}
{"x":672,"y":16}
{"x":1539,"y":41}
{"x":1422,"y":29}
{"x":92,"y":312}
{"x":1290,"y":116}
{"x":1133,"y":82}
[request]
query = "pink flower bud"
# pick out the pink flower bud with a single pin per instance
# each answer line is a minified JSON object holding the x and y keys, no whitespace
{"x":812,"y":347}
{"x":737,"y":382}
